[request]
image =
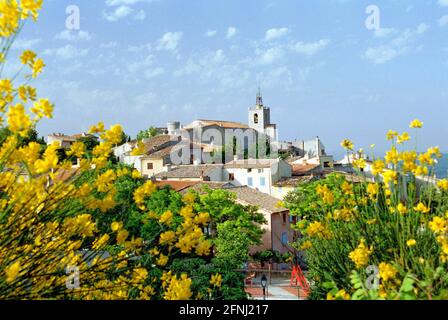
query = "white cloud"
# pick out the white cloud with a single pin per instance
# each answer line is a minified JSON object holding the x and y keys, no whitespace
{"x":219,"y":56}
{"x":210,"y":33}
{"x":25,"y":44}
{"x":402,"y":43}
{"x":149,"y":74}
{"x":119,"y":13}
{"x":443,"y":3}
{"x":380,"y":54}
{"x":139,"y":65}
{"x":422,"y":28}
{"x":169,"y":41}
{"x":231,"y":32}
{"x":311,"y":48}
{"x":275,"y":33}
{"x":383,"y":32}
{"x":443,"y":21}
{"x":67,"y":52}
{"x":141,"y":15}
{"x":270,"y":55}
{"x":73,"y":36}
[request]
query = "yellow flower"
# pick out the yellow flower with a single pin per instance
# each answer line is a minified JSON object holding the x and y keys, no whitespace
{"x":77,"y":149}
{"x":162,"y":260}
{"x":167,"y":237}
{"x":421,"y":208}
{"x":403,"y":138}
{"x":216,"y":280}
{"x":28,"y":57}
{"x":99,"y":243}
{"x":402,"y":209}
{"x":360,"y":256}
{"x":421,"y":171}
{"x":372,"y":190}
{"x":438,"y":225}
{"x":342,"y":294}
{"x":99,"y":128}
{"x":416,"y":124}
{"x":443,"y":184}
{"x":378,"y":167}
{"x":316,"y":228}
{"x":37,"y":68}
{"x":43,"y":108}
{"x":411,"y":242}
{"x":115,"y":226}
{"x":136,"y":174}
{"x":166,"y":218}
{"x":122,"y":236}
{"x":202,"y":218}
{"x":359,"y":163}
{"x":179,"y":289}
{"x":348,"y":145}
{"x":391,"y":135}
{"x":18,"y":121}
{"x":387,"y":271}
{"x":12,"y":272}
{"x":203,"y":248}
{"x":114,"y":135}
{"x":390,"y":176}
{"x":306,"y":245}
{"x":392,"y":156}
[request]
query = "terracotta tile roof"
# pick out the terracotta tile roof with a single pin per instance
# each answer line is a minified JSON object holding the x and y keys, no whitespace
{"x":295,"y":181}
{"x":176,"y":185}
{"x":218,"y":123}
{"x":257,"y":198}
{"x":300,"y":169}
{"x":189,"y":171}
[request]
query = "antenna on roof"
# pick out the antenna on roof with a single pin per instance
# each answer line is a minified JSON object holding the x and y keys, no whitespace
{"x":259,"y":102}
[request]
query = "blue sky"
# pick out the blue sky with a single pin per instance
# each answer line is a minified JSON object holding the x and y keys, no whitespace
{"x":322,"y":72}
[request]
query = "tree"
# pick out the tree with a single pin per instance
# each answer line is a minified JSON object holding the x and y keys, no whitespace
{"x":148,"y":133}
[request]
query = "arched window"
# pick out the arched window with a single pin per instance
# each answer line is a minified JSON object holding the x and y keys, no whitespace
{"x":256,"y":118}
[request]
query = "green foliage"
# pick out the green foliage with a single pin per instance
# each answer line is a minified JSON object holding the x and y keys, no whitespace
{"x":148,"y":133}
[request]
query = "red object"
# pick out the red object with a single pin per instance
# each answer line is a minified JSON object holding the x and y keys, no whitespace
{"x":297,"y":278}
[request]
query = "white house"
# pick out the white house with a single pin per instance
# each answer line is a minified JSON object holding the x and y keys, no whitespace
{"x":259,"y":174}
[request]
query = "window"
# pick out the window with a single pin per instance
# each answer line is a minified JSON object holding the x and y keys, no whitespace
{"x":284,"y":218}
{"x":150,"y":166}
{"x":250,"y":181}
{"x":256,"y":118}
{"x":231,"y":177}
{"x":249,"y":170}
{"x":260,"y":170}
{"x":262,"y":182}
{"x":284,"y":238}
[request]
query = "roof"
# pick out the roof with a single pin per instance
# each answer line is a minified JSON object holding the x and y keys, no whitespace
{"x":218,"y":123}
{"x":251,"y":163}
{"x":295,"y":181}
{"x":303,"y":169}
{"x":189,"y":171}
{"x":257,"y":198}
{"x":176,"y":185}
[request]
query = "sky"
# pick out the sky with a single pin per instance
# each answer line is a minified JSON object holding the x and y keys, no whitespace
{"x":327,"y":68}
